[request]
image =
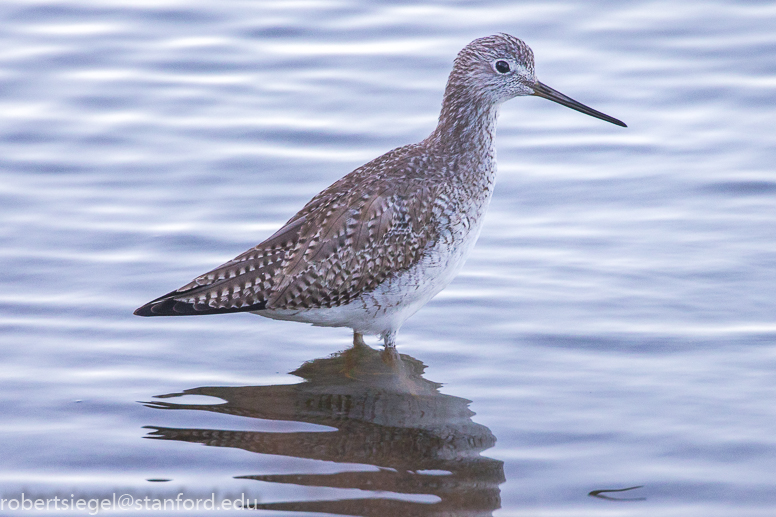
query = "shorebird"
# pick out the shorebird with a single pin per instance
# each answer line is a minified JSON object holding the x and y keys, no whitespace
{"x":373,"y":248}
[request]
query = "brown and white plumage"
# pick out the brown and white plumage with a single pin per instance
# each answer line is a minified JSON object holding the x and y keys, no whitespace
{"x":375,"y":246}
{"x":345,"y":241}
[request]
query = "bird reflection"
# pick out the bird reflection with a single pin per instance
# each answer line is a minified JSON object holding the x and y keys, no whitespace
{"x":385,"y":415}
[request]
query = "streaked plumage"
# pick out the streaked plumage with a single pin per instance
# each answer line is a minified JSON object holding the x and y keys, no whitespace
{"x":375,"y":246}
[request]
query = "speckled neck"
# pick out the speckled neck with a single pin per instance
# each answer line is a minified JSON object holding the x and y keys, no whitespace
{"x":467,"y":122}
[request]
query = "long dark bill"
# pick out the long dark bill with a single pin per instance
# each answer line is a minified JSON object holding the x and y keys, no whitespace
{"x":544,"y":91}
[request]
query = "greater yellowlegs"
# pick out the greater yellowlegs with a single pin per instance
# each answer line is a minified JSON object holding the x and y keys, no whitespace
{"x":378,"y":244}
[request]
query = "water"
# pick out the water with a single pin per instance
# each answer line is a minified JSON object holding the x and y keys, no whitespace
{"x":613,"y":328}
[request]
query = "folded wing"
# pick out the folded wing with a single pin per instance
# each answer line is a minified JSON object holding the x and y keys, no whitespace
{"x":344,"y":242}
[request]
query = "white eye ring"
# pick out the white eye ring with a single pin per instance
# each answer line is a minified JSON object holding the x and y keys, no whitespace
{"x":502,"y":66}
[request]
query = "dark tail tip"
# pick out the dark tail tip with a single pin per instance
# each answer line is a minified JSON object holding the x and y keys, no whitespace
{"x":165,"y":306}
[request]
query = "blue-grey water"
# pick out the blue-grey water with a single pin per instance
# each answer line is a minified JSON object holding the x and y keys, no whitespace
{"x":615,"y":326}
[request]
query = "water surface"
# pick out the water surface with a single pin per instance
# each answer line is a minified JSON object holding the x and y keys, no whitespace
{"x":613,"y":328}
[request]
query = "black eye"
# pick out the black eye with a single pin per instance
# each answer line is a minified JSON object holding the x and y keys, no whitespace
{"x":502,"y":67}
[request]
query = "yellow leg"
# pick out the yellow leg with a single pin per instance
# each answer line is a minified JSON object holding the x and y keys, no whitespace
{"x":358,"y":339}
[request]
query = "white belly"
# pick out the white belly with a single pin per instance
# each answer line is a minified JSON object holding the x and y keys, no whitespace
{"x":385,"y":309}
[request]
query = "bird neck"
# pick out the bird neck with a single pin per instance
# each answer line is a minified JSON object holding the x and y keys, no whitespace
{"x":467,"y":124}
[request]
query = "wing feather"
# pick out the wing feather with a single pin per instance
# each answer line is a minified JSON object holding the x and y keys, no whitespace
{"x":344,"y":242}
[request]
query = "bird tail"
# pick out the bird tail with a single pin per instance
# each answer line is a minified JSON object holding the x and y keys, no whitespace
{"x":171,"y":305}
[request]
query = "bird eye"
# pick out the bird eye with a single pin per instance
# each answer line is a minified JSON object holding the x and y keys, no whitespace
{"x":502,"y":67}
